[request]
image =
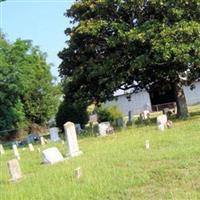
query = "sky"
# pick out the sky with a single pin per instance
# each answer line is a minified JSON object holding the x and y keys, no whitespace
{"x":41,"y":21}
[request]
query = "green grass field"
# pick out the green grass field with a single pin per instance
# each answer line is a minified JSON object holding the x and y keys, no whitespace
{"x":117,"y":167}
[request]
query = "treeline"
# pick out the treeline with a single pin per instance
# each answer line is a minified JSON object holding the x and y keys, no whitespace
{"x":27,"y":91}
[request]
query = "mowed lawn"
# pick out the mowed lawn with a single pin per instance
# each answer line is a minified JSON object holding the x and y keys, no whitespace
{"x":117,"y":167}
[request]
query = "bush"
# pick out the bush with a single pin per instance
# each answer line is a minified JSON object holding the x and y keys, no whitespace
{"x":108,"y":114}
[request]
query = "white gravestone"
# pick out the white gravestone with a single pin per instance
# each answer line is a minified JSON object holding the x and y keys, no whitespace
{"x":70,"y":132}
{"x":147,"y":145}
{"x":31,"y":148}
{"x":14,"y":170}
{"x":1,"y":150}
{"x":161,"y":122}
{"x":42,"y":141}
{"x":54,"y":134}
{"x":103,"y":127}
{"x":52,"y":155}
{"x":15,"y":150}
{"x":146,"y":114}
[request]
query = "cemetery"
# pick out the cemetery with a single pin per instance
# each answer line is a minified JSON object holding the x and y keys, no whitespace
{"x":144,"y":162}
{"x":99,"y":100}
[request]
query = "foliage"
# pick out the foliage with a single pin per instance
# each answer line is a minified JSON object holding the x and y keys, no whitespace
{"x":130,"y":44}
{"x":111,"y":113}
{"x":69,"y":112}
{"x":27,"y":93}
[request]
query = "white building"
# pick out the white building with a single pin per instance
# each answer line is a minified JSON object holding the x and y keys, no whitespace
{"x":143,"y":100}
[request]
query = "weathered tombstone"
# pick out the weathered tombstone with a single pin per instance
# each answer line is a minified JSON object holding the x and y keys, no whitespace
{"x":31,"y":148}
{"x":54,"y":134}
{"x":93,"y":118}
{"x":52,"y":155}
{"x":103,"y":127}
{"x":78,"y":128}
{"x":161,"y":122}
{"x":15,"y":150}
{"x":70,"y":132}
{"x":119,"y":122}
{"x":129,"y":116}
{"x":14,"y":170}
{"x":77,"y":172}
{"x":147,"y":145}
{"x":2,"y":151}
{"x":146,"y":114}
{"x":42,"y":141}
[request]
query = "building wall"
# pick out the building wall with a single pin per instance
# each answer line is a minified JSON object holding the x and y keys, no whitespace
{"x":139,"y":102}
{"x":192,"y":96}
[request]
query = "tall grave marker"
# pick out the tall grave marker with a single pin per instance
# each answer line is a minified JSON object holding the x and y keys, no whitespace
{"x":1,"y":150}
{"x":70,"y":132}
{"x":15,"y":150}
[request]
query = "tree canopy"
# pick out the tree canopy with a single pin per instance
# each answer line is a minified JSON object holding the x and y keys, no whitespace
{"x":27,"y":93}
{"x":131,"y":44}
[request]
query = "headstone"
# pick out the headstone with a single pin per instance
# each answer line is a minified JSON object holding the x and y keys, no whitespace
{"x":2,"y":151}
{"x":78,"y":128}
{"x":147,"y":145}
{"x":119,"y":122}
{"x":93,"y":118}
{"x":70,"y":132}
{"x":42,"y":141}
{"x":15,"y":150}
{"x":129,"y":116}
{"x":161,"y":122}
{"x":14,"y":170}
{"x":77,"y":172}
{"x":146,"y":114}
{"x":31,"y":148}
{"x":52,"y":155}
{"x":54,"y":134}
{"x":38,"y":150}
{"x":103,"y":127}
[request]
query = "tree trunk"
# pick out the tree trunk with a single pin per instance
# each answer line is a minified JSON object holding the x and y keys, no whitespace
{"x":182,"y":110}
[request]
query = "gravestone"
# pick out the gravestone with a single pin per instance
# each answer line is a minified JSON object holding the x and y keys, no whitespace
{"x":70,"y":132}
{"x":52,"y":155}
{"x":103,"y":127}
{"x":1,"y":150}
{"x":147,"y":145}
{"x":54,"y":134}
{"x":93,"y":118}
{"x":15,"y":150}
{"x":161,"y":122}
{"x":14,"y":170}
{"x":42,"y":141}
{"x":146,"y":114}
{"x":78,"y":128}
{"x":31,"y":148}
{"x":77,"y":172}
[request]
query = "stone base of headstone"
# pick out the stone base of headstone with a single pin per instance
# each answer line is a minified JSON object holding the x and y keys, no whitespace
{"x":74,"y":154}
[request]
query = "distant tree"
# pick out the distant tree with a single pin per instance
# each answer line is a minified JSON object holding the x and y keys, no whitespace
{"x":69,"y":112}
{"x":27,"y":93}
{"x":123,"y":44}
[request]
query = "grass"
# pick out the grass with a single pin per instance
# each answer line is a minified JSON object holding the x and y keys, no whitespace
{"x":117,"y":167}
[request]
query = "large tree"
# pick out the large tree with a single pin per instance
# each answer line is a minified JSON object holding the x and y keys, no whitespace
{"x":27,"y":92}
{"x":131,"y":44}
